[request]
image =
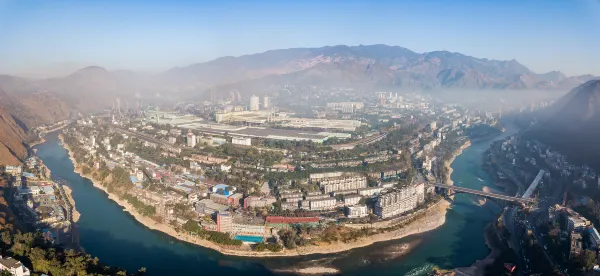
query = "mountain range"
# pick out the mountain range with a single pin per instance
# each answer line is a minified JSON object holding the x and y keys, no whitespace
{"x":370,"y":66}
{"x":33,"y":102}
{"x":573,"y":126}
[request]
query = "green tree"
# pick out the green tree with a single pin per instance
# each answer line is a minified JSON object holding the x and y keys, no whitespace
{"x":587,"y":260}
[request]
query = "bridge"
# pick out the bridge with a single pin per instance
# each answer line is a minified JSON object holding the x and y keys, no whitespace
{"x":482,"y":193}
{"x":534,"y":184}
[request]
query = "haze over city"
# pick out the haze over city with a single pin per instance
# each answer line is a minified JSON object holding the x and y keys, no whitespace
{"x":55,"y":38}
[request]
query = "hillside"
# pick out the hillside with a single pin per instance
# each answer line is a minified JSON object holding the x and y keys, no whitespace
{"x":21,"y":112}
{"x":574,"y":126}
{"x":12,"y":149}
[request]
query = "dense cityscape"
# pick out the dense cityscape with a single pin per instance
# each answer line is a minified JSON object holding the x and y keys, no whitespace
{"x":417,"y":138}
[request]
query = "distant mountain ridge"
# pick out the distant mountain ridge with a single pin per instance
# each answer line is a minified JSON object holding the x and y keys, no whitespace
{"x":366,"y":66}
{"x":396,"y":67}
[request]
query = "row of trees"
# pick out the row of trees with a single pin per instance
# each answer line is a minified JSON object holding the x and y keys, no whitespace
{"x":139,"y":206}
{"x":217,"y":237}
{"x":273,"y":247}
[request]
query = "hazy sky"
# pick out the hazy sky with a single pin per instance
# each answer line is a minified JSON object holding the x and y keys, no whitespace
{"x":153,"y":35}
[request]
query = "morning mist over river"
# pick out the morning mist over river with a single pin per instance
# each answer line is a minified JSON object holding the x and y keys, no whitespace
{"x":114,"y":236}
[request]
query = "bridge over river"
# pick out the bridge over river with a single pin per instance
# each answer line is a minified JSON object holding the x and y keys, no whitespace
{"x":458,"y":189}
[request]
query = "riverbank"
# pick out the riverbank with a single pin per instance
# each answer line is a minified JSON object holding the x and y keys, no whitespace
{"x":36,"y":142}
{"x":75,"y":214}
{"x":448,"y":164}
{"x":433,"y":218}
{"x":479,"y":267}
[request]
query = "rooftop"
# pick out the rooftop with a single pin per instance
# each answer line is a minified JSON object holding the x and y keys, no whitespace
{"x":10,"y":262}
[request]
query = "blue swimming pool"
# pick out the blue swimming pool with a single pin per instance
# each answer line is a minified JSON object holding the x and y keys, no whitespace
{"x":255,"y":239}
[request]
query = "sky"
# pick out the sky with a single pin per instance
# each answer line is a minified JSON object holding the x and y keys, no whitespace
{"x":56,"y":36}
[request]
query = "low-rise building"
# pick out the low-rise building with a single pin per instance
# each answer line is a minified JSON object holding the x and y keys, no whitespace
{"x":209,"y":207}
{"x":254,"y":201}
{"x":14,"y":170}
{"x":248,"y":229}
{"x":289,"y":205}
{"x":13,"y":266}
{"x":219,"y":198}
{"x":223,"y":189}
{"x":234,"y":199}
{"x":358,"y":211}
{"x":243,"y":141}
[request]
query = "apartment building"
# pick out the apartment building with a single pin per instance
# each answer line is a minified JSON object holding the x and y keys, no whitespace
{"x":400,"y":201}
{"x":224,"y":222}
{"x":322,"y":204}
{"x":350,"y":200}
{"x":344,"y":182}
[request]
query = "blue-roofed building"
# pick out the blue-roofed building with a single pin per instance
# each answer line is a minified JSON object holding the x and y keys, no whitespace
{"x":227,"y":190}
{"x":594,"y":237}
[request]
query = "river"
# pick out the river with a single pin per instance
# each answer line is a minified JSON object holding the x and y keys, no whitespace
{"x":114,"y":236}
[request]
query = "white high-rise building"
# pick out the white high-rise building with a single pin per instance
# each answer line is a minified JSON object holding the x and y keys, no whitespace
{"x":266,"y":102}
{"x":191,"y":139}
{"x":254,"y":103}
{"x":400,"y":201}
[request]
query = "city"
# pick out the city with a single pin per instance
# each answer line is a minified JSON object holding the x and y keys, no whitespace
{"x":299,"y":138}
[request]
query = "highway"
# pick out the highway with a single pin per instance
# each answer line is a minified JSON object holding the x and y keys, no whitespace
{"x":482,"y":193}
